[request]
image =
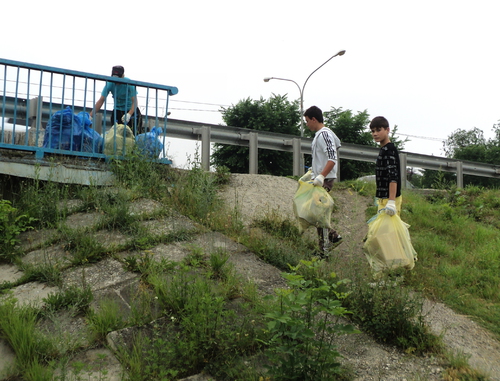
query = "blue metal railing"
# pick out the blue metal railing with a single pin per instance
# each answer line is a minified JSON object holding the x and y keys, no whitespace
{"x":46,"y":110}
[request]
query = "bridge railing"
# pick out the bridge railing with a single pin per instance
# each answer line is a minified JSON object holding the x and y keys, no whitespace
{"x":35,"y":97}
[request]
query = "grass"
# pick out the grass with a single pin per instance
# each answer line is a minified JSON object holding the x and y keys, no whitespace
{"x":198,"y":314}
{"x":459,"y":260}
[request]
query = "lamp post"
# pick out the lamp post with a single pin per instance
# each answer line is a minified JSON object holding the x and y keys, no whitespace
{"x":301,"y":89}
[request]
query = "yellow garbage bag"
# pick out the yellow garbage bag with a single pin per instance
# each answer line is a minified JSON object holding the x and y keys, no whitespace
{"x":114,"y":140}
{"x":312,"y":206}
{"x":388,"y":244}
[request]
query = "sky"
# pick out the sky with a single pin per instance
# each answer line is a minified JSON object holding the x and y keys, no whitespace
{"x":430,"y":67}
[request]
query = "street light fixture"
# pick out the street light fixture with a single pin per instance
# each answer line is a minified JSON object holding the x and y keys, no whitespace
{"x":301,"y":89}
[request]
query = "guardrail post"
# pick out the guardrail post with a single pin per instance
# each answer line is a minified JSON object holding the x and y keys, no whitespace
{"x":35,"y":112}
{"x":205,"y":147}
{"x":460,"y":174}
{"x":403,"y":159}
{"x":253,"y":144}
{"x":298,"y":168}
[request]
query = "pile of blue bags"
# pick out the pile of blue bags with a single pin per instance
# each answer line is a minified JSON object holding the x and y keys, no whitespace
{"x":73,"y":132}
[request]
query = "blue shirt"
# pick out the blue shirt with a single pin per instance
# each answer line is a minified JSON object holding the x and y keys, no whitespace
{"x":122,"y":94}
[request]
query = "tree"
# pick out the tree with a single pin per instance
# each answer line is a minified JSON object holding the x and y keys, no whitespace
{"x":275,"y":115}
{"x":471,"y":145}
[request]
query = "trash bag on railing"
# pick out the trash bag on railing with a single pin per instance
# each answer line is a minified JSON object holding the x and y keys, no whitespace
{"x":313,"y":206}
{"x":119,"y":140}
{"x":149,"y":143}
{"x":70,"y":132}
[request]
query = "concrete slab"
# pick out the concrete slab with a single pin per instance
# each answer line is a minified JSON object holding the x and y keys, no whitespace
{"x":54,"y":255}
{"x":106,"y":273}
{"x":7,"y":360}
{"x":31,"y":294}
{"x":10,"y":273}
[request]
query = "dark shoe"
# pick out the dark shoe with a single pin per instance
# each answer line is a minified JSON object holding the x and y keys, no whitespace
{"x":319,"y":253}
{"x":335,"y":239}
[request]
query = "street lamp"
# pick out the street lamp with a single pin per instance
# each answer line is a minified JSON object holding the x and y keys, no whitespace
{"x":301,"y":89}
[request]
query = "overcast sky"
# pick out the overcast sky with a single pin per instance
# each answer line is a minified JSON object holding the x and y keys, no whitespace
{"x":430,"y":66}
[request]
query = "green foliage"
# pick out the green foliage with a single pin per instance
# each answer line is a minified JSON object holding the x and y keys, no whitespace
{"x":201,"y":329}
{"x":83,"y":247}
{"x":456,"y":236}
{"x":472,"y":146}
{"x":40,"y":200}
{"x":107,"y":318}
{"x":18,"y":327}
{"x":142,"y":176}
{"x":11,"y":225}
{"x":391,"y":314}
{"x":274,"y":115}
{"x":303,"y":327}
{"x":72,"y":297}
{"x":197,"y":197}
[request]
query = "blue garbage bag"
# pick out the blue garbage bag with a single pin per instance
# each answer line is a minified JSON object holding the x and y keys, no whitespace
{"x":67,"y":131}
{"x":149,"y":143}
{"x":92,"y":140}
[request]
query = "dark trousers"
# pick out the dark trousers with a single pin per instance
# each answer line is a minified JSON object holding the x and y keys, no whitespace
{"x":325,"y":236}
{"x":135,"y":122}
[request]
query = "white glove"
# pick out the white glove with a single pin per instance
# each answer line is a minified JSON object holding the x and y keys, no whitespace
{"x":307,"y":176}
{"x":390,"y":208}
{"x":318,"y":181}
{"x":126,"y":118}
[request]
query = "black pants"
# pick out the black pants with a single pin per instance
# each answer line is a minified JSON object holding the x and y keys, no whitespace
{"x":326,"y":236}
{"x":135,"y":122}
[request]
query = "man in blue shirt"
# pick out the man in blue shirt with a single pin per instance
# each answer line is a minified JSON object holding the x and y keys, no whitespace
{"x":125,"y":98}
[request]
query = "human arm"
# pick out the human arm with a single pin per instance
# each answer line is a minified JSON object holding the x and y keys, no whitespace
{"x":390,"y":207}
{"x":130,"y":112}
{"x":98,"y":105}
{"x":318,"y":180}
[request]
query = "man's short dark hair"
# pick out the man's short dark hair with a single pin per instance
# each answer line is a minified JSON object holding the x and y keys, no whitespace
{"x":314,"y":112}
{"x":379,"y":122}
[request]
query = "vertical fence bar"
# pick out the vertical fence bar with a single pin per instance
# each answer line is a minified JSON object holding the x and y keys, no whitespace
{"x":460,"y":174}
{"x":253,"y":143}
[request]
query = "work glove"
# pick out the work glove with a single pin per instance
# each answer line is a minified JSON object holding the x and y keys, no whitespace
{"x":126,"y":118}
{"x":307,"y":176}
{"x":390,"y":208}
{"x":318,"y":181}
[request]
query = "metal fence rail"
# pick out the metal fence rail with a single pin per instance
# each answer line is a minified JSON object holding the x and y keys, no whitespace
{"x":29,"y":102}
{"x":33,"y":94}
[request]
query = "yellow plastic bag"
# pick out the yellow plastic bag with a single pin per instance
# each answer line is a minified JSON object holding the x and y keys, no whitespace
{"x":115,"y":136}
{"x":388,"y":244}
{"x":312,"y":206}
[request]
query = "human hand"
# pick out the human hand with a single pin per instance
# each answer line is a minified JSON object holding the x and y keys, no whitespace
{"x":390,"y":208}
{"x":307,"y":176}
{"x":126,"y":118}
{"x":318,"y":181}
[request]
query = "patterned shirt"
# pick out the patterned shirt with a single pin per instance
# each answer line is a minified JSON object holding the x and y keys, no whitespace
{"x":387,"y":170}
{"x":324,"y":148}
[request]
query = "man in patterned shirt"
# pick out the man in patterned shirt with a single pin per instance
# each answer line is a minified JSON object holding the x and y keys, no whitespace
{"x":387,"y":172}
{"x":324,"y":166}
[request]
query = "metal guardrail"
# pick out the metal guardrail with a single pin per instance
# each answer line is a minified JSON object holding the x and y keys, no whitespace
{"x":36,"y":112}
{"x":211,"y":133}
